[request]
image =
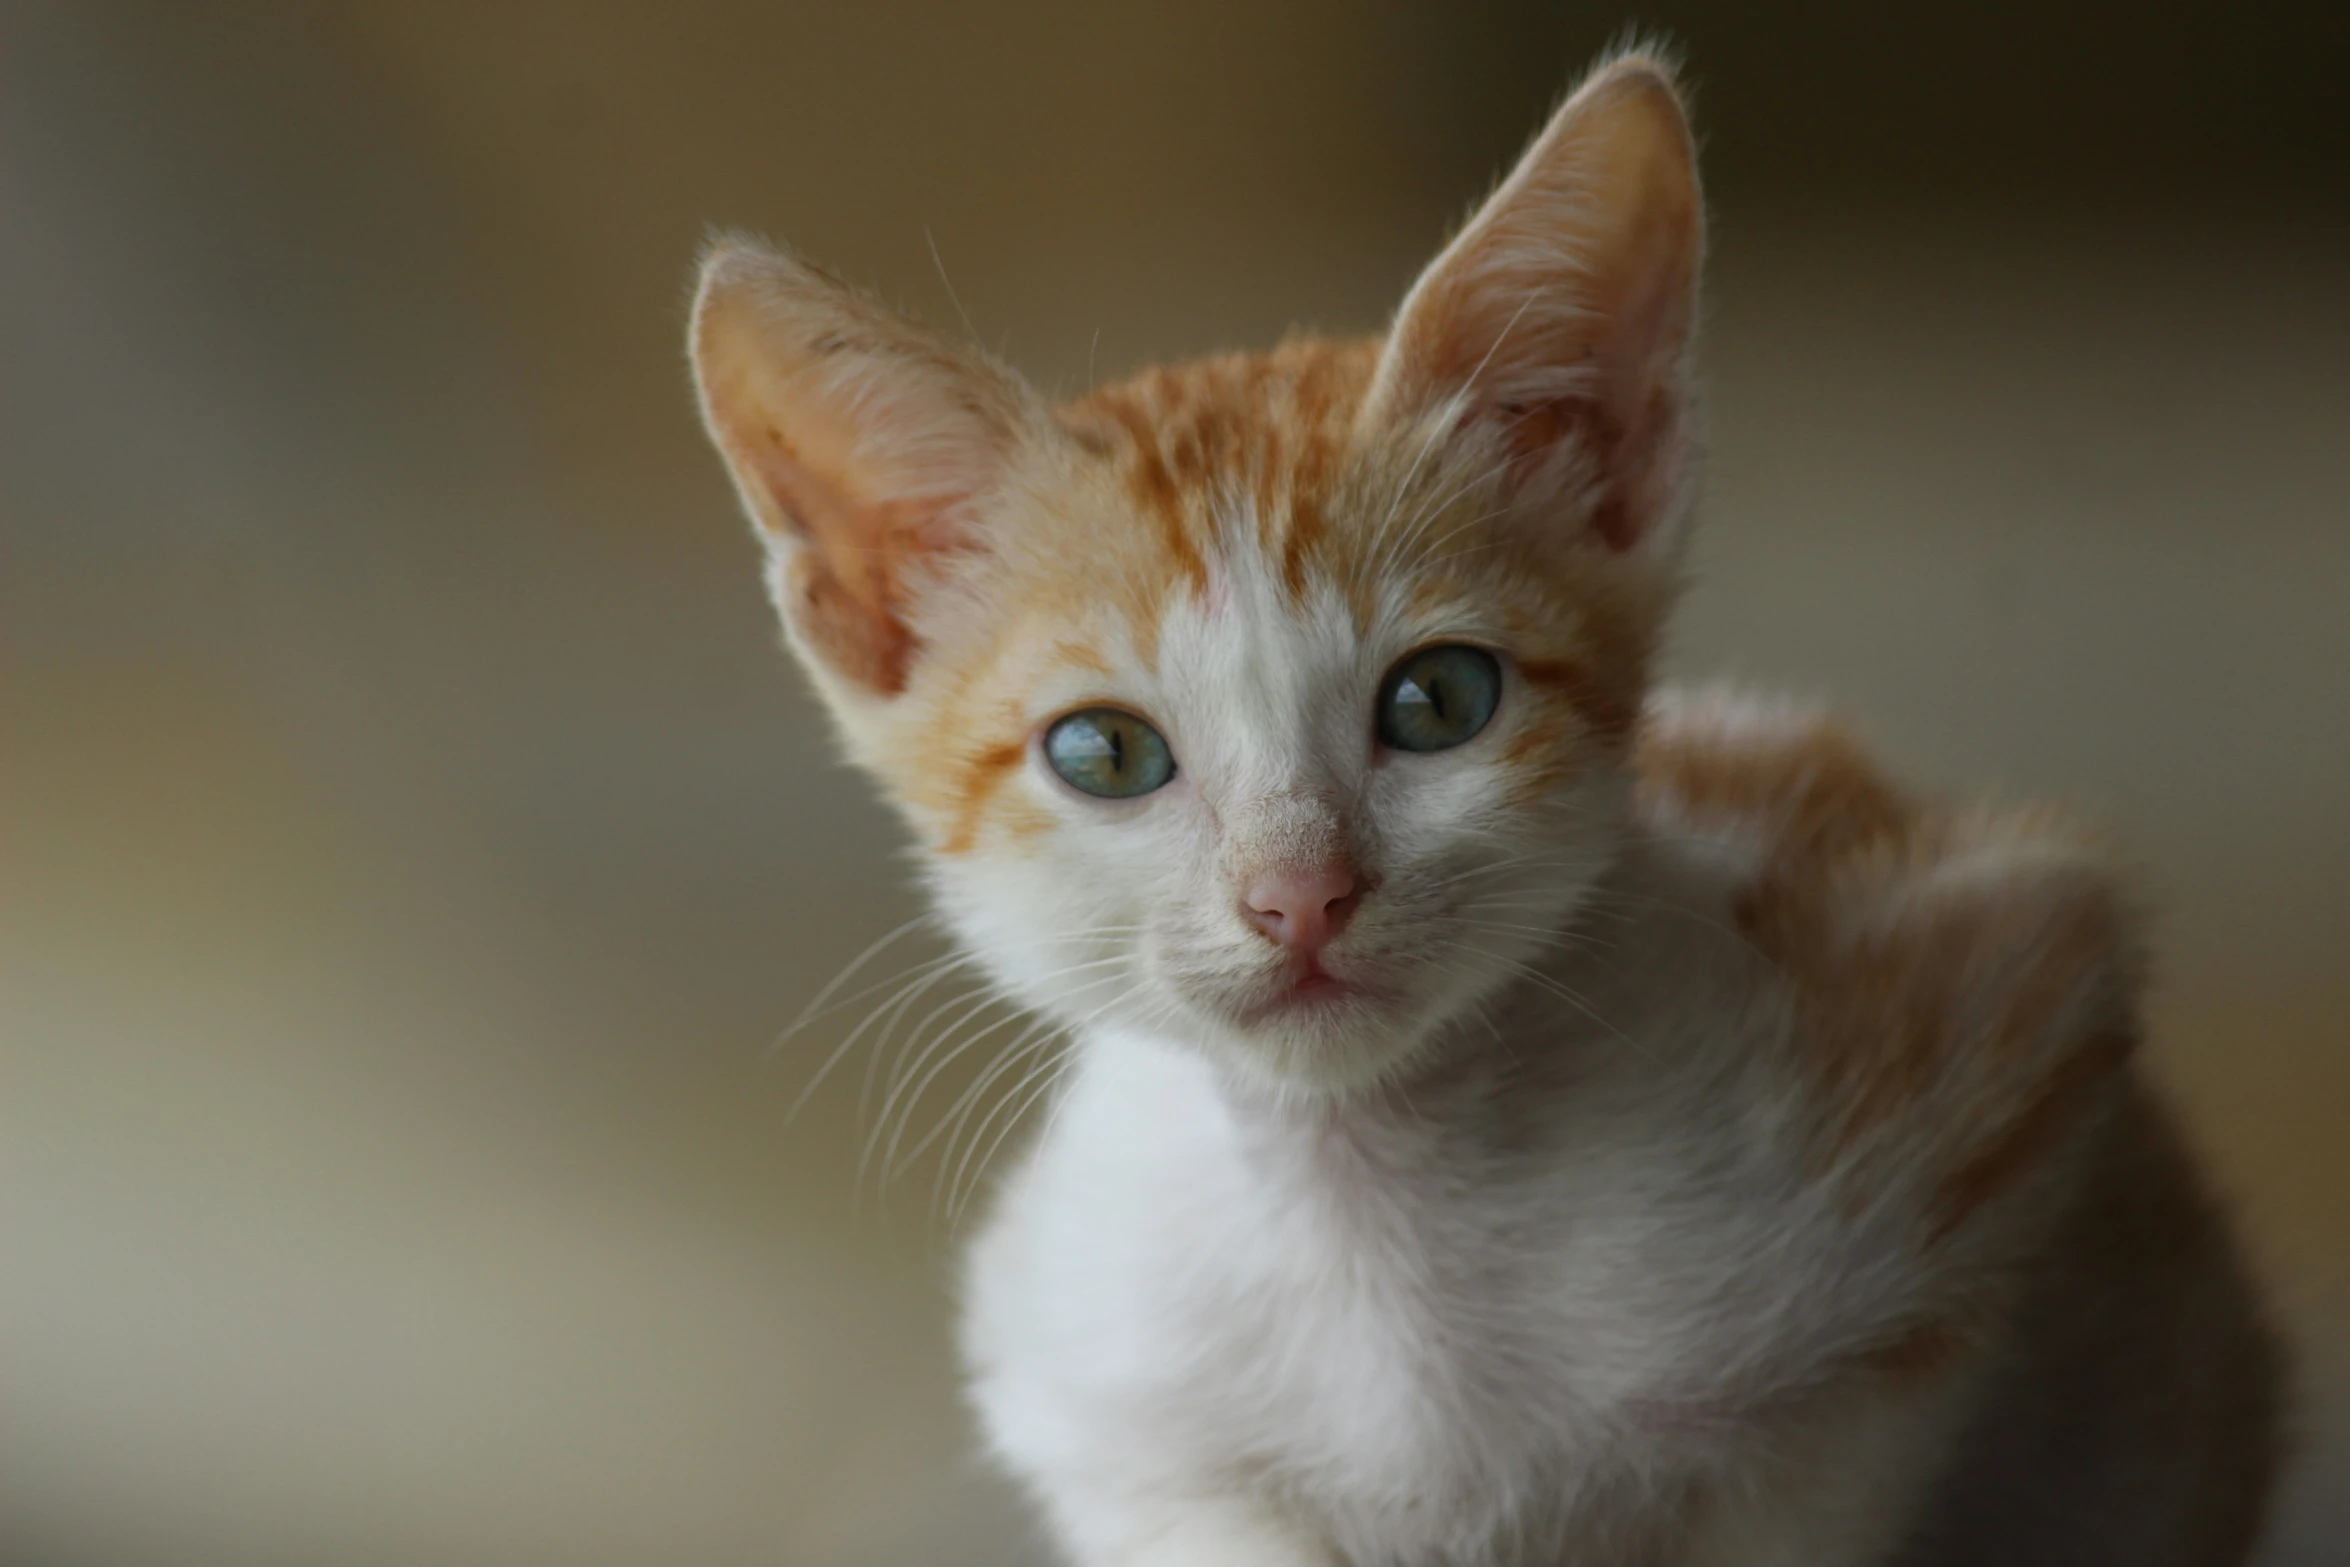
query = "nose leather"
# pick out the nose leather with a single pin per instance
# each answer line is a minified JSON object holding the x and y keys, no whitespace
{"x":1303,"y":908}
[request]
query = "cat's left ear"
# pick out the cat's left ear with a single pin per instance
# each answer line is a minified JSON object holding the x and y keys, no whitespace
{"x":868,"y":451}
{"x":1558,"y":322}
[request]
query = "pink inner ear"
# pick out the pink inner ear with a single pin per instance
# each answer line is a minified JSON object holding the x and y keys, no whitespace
{"x":846,"y":573}
{"x":1612,"y":520}
{"x":1535,"y":434}
{"x":1618,"y":350}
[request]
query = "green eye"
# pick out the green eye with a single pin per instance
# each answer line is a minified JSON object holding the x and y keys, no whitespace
{"x":1108,"y":752}
{"x":1438,"y":698}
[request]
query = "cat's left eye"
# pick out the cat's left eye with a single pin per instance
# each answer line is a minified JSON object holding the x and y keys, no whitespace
{"x":1439,"y":697}
{"x":1109,"y":752}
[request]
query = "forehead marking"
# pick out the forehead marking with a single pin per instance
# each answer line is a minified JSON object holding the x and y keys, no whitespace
{"x":1077,"y":655}
{"x":1152,"y":483}
{"x":1269,"y":430}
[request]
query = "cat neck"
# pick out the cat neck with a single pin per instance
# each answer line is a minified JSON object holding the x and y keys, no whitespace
{"x":1448,"y":1099}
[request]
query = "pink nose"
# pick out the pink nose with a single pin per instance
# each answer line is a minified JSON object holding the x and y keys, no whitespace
{"x":1302,"y":909}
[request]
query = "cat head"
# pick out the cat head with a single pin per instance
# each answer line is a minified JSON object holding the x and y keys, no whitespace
{"x":1275,"y":704}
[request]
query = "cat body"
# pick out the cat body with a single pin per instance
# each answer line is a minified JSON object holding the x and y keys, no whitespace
{"x":1618,"y":1280}
{"x":1510,"y":1118}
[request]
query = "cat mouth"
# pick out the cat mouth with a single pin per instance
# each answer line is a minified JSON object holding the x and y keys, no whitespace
{"x":1308,"y":988}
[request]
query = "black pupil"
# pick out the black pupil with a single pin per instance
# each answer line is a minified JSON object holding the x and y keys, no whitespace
{"x":1117,"y":750}
{"x":1434,"y":691}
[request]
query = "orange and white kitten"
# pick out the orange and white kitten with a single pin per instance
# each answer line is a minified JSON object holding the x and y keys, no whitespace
{"x":1514,"y":1118}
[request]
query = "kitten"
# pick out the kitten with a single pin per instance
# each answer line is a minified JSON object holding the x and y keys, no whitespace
{"x":1514,"y":1118}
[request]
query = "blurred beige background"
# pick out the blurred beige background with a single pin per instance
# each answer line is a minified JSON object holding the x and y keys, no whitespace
{"x":413,"y":842}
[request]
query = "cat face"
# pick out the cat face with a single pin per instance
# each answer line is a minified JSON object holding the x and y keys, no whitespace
{"x":1274,"y":704}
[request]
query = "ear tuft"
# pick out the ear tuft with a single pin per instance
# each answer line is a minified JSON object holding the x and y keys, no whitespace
{"x":1559,"y":320}
{"x":865,"y":448}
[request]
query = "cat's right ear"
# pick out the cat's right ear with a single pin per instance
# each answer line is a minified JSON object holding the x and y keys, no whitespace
{"x":1556,"y":326}
{"x":866,"y":449}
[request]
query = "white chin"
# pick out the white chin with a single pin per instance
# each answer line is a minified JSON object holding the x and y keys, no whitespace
{"x":1322,"y":1046}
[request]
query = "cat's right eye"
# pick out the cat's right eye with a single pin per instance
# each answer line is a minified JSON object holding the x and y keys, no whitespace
{"x":1109,"y":752}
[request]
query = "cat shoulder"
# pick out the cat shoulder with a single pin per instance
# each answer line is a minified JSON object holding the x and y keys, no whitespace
{"x":1967,"y":978}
